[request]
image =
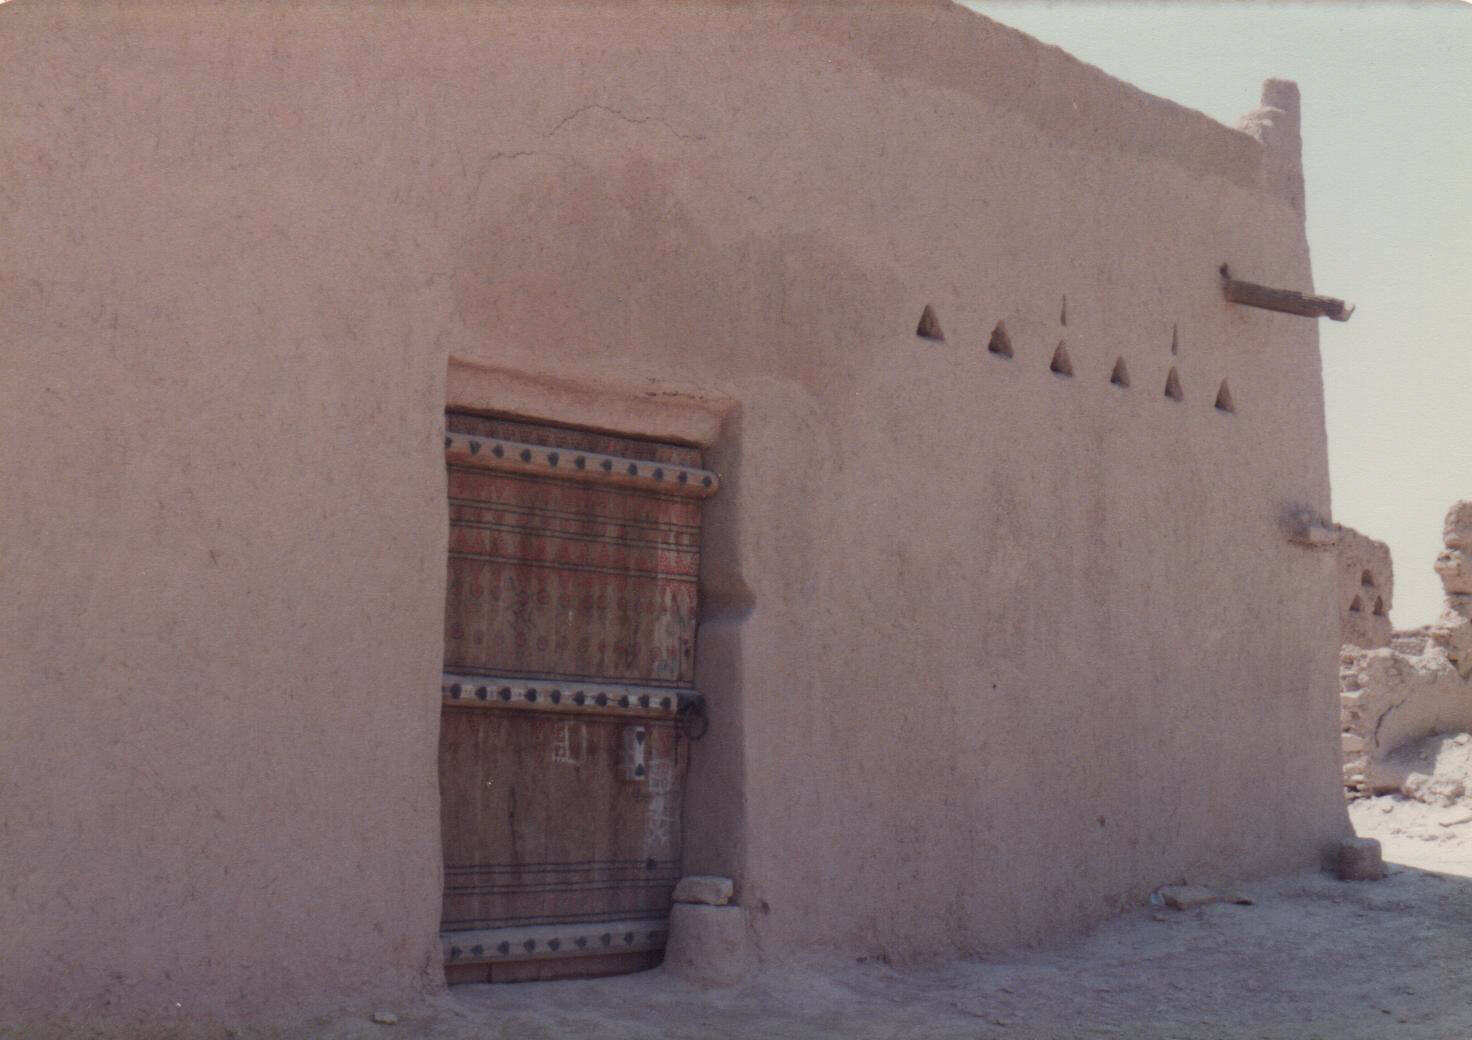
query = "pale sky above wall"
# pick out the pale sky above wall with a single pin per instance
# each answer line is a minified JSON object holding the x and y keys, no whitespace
{"x":1387,"y":139}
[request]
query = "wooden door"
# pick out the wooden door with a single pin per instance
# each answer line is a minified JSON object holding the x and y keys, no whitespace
{"x":569,"y":662}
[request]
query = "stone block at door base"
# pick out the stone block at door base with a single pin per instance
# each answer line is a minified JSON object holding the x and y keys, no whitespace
{"x":708,"y":944}
{"x":703,"y":888}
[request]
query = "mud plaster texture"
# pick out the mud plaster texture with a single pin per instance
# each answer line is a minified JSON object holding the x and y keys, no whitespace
{"x":1419,"y":685}
{"x":988,"y":649}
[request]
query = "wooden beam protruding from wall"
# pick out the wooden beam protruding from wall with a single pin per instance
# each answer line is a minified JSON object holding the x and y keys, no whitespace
{"x":1287,"y":301}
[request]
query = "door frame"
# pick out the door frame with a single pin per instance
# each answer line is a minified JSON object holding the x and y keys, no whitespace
{"x":656,"y":411}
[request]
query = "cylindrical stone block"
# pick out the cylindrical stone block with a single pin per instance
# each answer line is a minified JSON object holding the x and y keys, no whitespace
{"x":1359,"y":860}
{"x":708,"y":944}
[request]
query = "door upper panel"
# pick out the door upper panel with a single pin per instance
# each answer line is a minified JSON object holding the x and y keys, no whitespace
{"x":570,"y":579}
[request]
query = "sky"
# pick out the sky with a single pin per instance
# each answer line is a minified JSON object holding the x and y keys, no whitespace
{"x":1387,"y":141}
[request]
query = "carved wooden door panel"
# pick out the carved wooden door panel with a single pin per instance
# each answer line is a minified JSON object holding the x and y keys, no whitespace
{"x":569,"y":661}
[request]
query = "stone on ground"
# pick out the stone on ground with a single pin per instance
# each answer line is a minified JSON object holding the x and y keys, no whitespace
{"x":1188,"y":897}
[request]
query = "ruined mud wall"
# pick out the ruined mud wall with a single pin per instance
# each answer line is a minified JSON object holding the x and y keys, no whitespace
{"x":1366,"y":581}
{"x":1421,"y":683}
{"x":994,"y":619}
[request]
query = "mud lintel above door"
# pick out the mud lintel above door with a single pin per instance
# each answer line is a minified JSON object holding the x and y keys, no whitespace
{"x":654,"y":409}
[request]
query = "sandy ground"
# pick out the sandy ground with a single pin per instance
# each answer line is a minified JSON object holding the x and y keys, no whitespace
{"x":1311,"y":957}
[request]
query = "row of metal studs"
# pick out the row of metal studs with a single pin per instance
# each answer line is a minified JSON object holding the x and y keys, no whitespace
{"x":581,"y":943}
{"x":686,"y":480}
{"x":592,"y":698}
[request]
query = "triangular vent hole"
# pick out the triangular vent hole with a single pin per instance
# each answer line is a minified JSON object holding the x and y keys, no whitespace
{"x":1379,"y":607}
{"x":1120,"y":377}
{"x":1173,"y":387}
{"x":1000,"y":343}
{"x":1366,"y":578}
{"x":1061,"y":364}
{"x":1224,"y":399}
{"x":929,"y":327}
{"x":1356,"y":606}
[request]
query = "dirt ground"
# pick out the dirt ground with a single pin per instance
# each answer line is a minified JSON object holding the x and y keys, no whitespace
{"x":1310,"y":957}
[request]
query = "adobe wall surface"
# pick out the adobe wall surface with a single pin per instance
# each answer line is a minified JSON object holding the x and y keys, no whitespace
{"x":1418,"y":685}
{"x":1366,"y":581}
{"x":988,"y":649}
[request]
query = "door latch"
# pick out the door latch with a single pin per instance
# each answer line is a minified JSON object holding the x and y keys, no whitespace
{"x":634,"y":759}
